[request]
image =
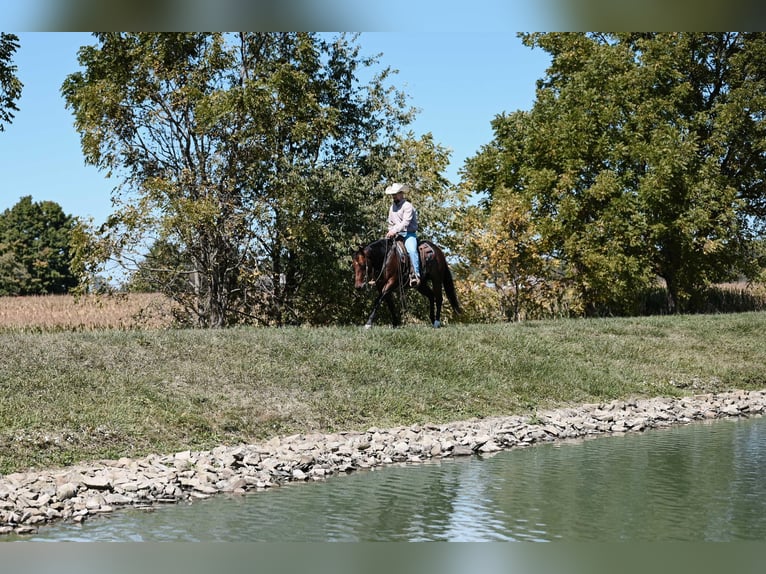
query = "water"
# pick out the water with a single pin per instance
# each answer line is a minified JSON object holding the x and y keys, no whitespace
{"x":702,"y":482}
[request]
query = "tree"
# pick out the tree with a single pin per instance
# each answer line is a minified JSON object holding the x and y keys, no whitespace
{"x":163,"y":265}
{"x":35,"y":252}
{"x":500,"y":244}
{"x":255,"y":157}
{"x":643,"y":156}
{"x":10,"y":86}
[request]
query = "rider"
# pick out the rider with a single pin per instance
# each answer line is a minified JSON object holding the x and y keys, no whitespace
{"x":403,"y":220}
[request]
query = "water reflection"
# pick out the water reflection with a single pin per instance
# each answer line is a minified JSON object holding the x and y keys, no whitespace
{"x":700,"y":482}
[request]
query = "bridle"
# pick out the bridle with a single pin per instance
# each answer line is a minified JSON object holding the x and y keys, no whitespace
{"x":364,"y":253}
{"x":369,"y":270}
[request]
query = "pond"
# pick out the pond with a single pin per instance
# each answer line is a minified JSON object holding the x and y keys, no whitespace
{"x":700,"y":482}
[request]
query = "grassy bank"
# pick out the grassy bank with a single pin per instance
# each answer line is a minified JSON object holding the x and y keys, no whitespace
{"x":69,"y":397}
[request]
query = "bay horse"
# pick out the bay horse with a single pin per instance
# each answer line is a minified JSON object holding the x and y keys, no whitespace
{"x":383,"y":264}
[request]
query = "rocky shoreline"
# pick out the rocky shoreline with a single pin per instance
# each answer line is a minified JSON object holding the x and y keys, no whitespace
{"x":76,"y":493}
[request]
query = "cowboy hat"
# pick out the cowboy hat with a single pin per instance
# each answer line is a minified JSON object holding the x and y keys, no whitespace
{"x":395,"y":188}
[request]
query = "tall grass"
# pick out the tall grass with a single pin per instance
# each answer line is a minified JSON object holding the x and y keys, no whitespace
{"x":92,"y":312}
{"x":70,"y":396}
{"x":553,"y":300}
{"x":735,"y":298}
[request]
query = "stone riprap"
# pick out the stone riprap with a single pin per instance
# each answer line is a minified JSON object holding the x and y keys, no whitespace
{"x":29,"y":500}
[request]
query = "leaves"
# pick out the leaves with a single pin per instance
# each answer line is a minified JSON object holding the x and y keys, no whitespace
{"x":10,"y":85}
{"x":627,"y":162}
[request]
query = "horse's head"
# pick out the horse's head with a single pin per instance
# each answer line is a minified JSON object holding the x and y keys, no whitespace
{"x":360,"y":262}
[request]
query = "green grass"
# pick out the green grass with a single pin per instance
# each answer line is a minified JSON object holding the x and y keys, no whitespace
{"x":70,"y":397}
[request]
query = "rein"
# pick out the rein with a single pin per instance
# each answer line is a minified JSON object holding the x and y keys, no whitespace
{"x":374,"y":280}
{"x":369,"y":270}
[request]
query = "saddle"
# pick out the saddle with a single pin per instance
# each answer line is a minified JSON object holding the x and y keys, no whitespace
{"x":425,"y":253}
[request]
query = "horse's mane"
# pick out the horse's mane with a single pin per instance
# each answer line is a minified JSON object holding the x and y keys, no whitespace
{"x":378,"y":243}
{"x":377,"y":252}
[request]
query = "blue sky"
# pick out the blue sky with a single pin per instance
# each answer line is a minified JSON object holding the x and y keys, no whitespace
{"x":459,"y":81}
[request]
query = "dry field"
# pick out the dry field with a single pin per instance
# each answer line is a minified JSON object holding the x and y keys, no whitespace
{"x":737,"y":297}
{"x":92,"y":312}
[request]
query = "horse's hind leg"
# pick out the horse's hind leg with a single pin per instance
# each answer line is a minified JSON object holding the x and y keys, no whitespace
{"x":434,"y":303}
{"x":438,"y":300}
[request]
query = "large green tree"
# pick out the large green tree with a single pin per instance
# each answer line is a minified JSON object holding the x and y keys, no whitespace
{"x":35,"y":255}
{"x":252,"y":162}
{"x":10,"y":85}
{"x":644,"y":155}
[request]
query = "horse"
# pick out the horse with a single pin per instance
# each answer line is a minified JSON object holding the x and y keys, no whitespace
{"x":386,"y":266}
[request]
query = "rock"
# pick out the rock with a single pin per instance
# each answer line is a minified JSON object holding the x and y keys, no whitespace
{"x":731,"y":410}
{"x":274,"y":443}
{"x":205,"y":489}
{"x":462,"y":450}
{"x":94,"y":502}
{"x":66,"y":491}
{"x":234,"y":484}
{"x":489,"y":446}
{"x":97,"y":482}
{"x":298,"y":474}
{"x":318,"y":472}
{"x":117,"y":499}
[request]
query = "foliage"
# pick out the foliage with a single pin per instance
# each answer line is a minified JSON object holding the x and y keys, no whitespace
{"x":163,"y":264}
{"x":35,"y":253}
{"x":10,"y":86}
{"x":643,"y":156}
{"x":255,"y":159}
{"x":502,"y":242}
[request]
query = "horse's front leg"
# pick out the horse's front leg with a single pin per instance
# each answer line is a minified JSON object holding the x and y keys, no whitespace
{"x":395,"y":321}
{"x":375,"y":306}
{"x":385,"y":293}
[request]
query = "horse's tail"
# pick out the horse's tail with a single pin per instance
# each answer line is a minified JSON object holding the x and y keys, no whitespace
{"x":449,"y":289}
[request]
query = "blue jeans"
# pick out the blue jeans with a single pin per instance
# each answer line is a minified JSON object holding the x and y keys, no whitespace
{"x":411,"y":244}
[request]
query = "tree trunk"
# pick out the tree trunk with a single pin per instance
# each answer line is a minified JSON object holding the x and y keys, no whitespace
{"x":672,"y":293}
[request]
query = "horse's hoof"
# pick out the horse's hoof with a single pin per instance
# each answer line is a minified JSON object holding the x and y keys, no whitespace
{"x":368,"y":326}
{"x":437,"y":324}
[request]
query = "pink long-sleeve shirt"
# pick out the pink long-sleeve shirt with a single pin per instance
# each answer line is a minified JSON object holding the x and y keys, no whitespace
{"x":402,"y":217}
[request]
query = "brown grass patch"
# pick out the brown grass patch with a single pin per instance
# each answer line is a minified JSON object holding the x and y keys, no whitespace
{"x":92,"y":312}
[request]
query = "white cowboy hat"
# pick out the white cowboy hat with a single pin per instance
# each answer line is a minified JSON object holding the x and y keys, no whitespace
{"x":395,"y":188}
